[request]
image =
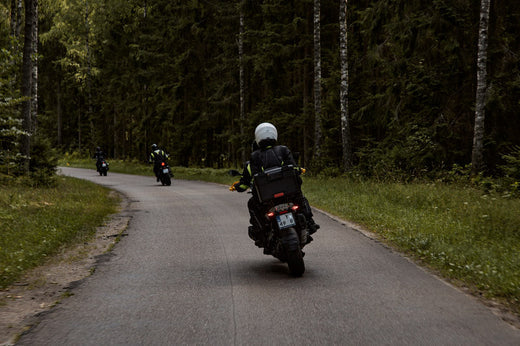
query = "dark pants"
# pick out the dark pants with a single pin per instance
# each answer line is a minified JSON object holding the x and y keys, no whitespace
{"x":157,"y":168}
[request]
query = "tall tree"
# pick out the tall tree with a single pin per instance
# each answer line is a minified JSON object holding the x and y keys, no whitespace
{"x":34,"y":78}
{"x":345,"y":127}
{"x":317,"y":79}
{"x":242,"y":77}
{"x":31,"y":20}
{"x":477,"y":159}
{"x":89,"y":69}
{"x":16,"y":17}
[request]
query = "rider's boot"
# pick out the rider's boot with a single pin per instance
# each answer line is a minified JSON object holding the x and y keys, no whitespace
{"x":256,"y":235}
{"x":312,"y":226}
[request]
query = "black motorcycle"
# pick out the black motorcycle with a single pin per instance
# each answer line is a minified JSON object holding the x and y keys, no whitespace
{"x":165,"y":174}
{"x":284,"y":224}
{"x":103,"y":167}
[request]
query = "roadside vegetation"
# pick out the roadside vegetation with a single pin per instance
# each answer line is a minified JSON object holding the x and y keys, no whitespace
{"x":468,"y":235}
{"x":469,"y":232}
{"x":37,"y":222}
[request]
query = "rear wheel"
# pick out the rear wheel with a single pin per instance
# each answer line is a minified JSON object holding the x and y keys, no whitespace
{"x":294,"y":253}
{"x":166,"y":180}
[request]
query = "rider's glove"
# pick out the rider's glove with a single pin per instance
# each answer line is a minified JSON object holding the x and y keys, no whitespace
{"x":239,"y":187}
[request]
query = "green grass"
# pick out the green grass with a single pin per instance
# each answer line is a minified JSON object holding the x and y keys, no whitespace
{"x":36,"y":223}
{"x":466,"y":235}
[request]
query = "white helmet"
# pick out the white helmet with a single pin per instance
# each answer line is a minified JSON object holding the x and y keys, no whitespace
{"x":265,"y":131}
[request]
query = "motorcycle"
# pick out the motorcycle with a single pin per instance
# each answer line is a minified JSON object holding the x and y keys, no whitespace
{"x":165,"y":174}
{"x":284,"y":224}
{"x":103,"y":168}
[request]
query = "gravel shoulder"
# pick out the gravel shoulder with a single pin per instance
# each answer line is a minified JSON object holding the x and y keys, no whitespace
{"x":46,"y":286}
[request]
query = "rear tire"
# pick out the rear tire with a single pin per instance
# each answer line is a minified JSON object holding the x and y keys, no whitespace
{"x":294,"y":253}
{"x":166,"y":180}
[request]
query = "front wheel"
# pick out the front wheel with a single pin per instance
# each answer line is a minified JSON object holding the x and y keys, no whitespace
{"x":294,"y":253}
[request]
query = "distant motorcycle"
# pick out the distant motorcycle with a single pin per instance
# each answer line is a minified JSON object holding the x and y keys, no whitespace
{"x":165,"y":174}
{"x":103,"y":168}
{"x":285,"y":225}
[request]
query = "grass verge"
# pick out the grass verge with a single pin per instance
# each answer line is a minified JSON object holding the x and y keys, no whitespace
{"x":37,"y":222}
{"x":468,"y":236}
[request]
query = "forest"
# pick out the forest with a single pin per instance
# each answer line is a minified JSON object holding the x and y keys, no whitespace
{"x":380,"y":88}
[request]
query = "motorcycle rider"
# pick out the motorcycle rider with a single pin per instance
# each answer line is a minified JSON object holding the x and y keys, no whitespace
{"x":268,"y":154}
{"x":99,"y":155}
{"x":156,"y":157}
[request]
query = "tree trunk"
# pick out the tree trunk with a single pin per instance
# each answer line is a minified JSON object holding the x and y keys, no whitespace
{"x":89,"y":71}
{"x":34,"y":80}
{"x":242,"y":83}
{"x":345,"y":127}
{"x":19,"y":17}
{"x":317,"y":80}
{"x":27,"y":70}
{"x":480,"y":99}
{"x":58,"y":111}
{"x":13,"y":18}
{"x":16,"y":17}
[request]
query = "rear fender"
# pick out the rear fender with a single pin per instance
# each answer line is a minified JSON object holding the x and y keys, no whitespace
{"x":290,"y":239}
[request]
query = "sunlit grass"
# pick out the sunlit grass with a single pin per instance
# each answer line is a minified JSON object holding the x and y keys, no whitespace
{"x":36,"y":222}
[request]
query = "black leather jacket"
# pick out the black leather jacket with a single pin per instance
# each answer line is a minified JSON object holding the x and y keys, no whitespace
{"x":261,"y":159}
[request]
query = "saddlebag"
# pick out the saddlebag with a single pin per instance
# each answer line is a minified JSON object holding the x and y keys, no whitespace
{"x":276,"y":182}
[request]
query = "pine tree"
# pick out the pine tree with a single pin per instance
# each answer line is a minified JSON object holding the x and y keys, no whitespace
{"x":31,"y":22}
{"x":345,"y":127}
{"x":480,"y":99}
{"x":317,"y":79}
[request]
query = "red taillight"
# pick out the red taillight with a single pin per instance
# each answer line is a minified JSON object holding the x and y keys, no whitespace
{"x":270,"y":215}
{"x":278,"y":195}
{"x":295,"y":207}
{"x":162,"y":163}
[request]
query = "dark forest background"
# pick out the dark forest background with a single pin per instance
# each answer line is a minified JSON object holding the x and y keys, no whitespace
{"x":123,"y":74}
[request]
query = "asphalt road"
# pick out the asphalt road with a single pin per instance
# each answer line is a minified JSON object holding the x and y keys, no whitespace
{"x":187,"y":274}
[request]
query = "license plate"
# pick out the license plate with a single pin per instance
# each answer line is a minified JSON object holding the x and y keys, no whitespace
{"x":165,"y":170}
{"x":285,"y":220}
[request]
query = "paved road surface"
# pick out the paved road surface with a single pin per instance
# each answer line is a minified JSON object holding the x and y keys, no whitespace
{"x":187,"y":273}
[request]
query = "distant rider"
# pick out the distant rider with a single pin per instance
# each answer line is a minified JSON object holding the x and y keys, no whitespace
{"x":99,"y":155}
{"x":156,"y":157}
{"x":268,"y":154}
